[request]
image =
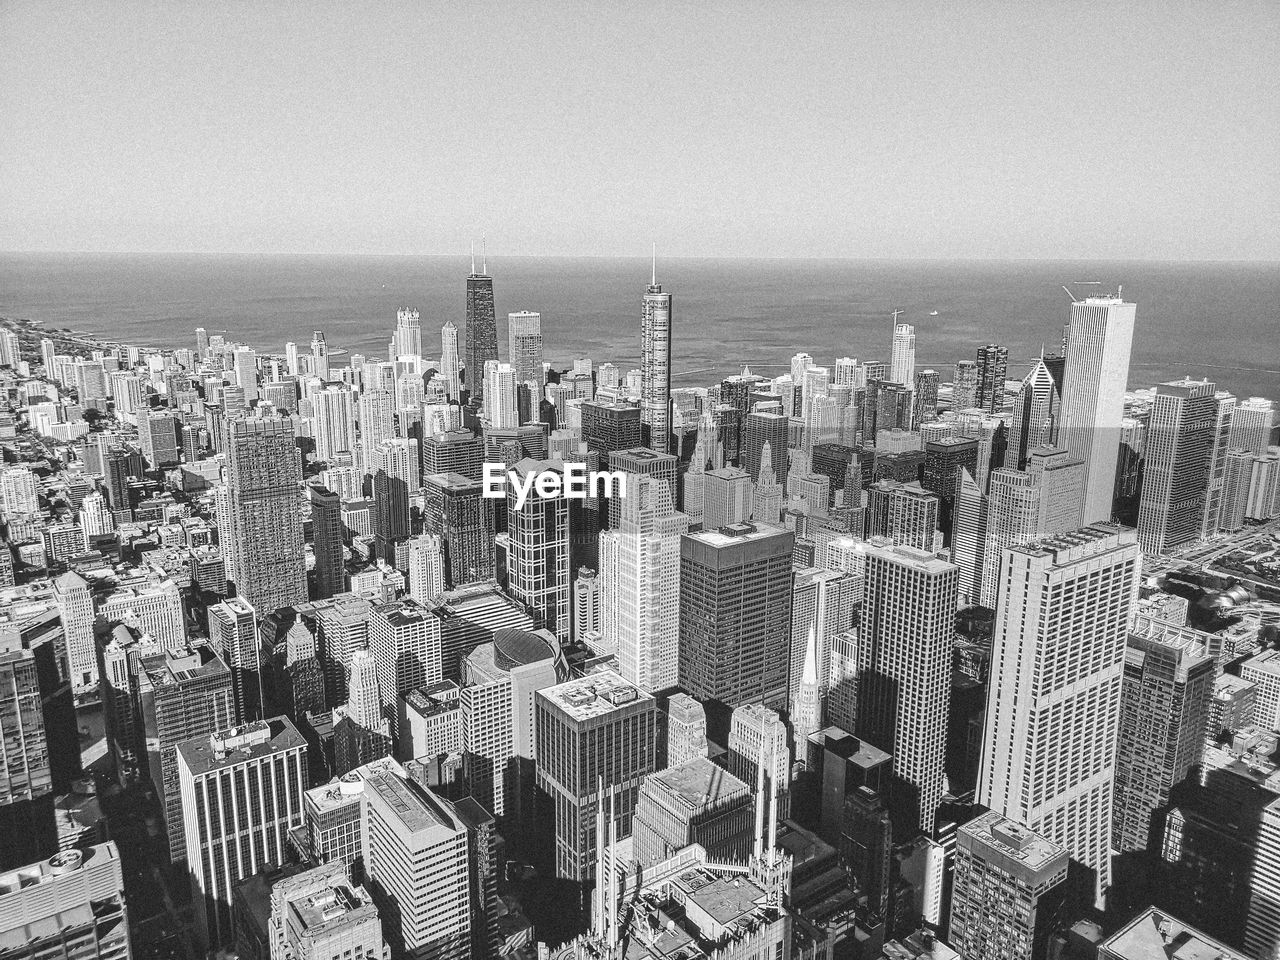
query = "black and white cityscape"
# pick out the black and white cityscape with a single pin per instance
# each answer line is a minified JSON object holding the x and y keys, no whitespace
{"x":500,"y":594}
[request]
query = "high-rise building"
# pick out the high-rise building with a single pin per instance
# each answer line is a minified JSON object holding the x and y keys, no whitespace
{"x":404,"y":639}
{"x":727,"y":498}
{"x":335,"y":424}
{"x":908,"y":613}
{"x":640,"y":586}
{"x":655,"y":364}
{"x":1024,"y":505}
{"x":1007,"y":888}
{"x":1057,"y":666}
{"x":501,"y":411}
{"x":1164,"y":714}
{"x":320,"y":914}
{"x":426,"y":567}
{"x":264,"y":481}
{"x":1154,"y":932}
{"x":902,"y":360}
{"x":319,"y":355}
{"x":395,"y":480}
{"x":1262,"y":926}
{"x":377,"y":417}
{"x":449,"y":361}
{"x":326,"y":539}
{"x":1036,"y":411}
{"x":456,"y":511}
{"x":1181,"y":434}
{"x":694,"y":802}
{"x":586,"y":603}
{"x":241,"y":794}
{"x":906,"y":513}
{"x":926,"y":397}
{"x":74,"y":601}
{"x":158,"y":436}
{"x":181,"y":694}
{"x":69,"y":907}
{"x":26,"y":775}
{"x":596,"y":732}
{"x":538,"y":552}
{"x":233,"y":632}
{"x":1224,"y":410}
{"x":766,"y":498}
{"x":497,"y":707}
{"x":407,"y":340}
{"x":524,"y":342}
{"x":641,"y":462}
{"x":964,"y":386}
{"x":993,"y":366}
{"x":482,"y":329}
{"x":609,"y":425}
{"x":735,"y":614}
{"x":1251,"y":425}
{"x":759,"y":428}
{"x":1096,"y":375}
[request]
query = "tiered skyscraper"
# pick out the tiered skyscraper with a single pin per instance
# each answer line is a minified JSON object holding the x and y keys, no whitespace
{"x":482,"y":329}
{"x":655,"y":364}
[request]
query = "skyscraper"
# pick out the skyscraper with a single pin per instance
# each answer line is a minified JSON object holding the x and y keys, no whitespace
{"x":500,"y":410}
{"x":993,"y":366}
{"x":320,"y":914}
{"x":598,"y":731}
{"x":404,"y":639}
{"x":264,"y":480}
{"x":1036,"y":411}
{"x":74,"y":601}
{"x":727,"y":498}
{"x":241,"y":794}
{"x":233,"y":632}
{"x":1164,"y":713}
{"x":902,"y":360}
{"x":456,"y":511}
{"x":964,"y":386}
{"x":395,"y":480}
{"x":640,"y":580}
{"x":538,"y":557}
{"x":1057,"y":662}
{"x":909,"y":603}
{"x":735,"y":614}
{"x":26,"y":775}
{"x":524,"y":346}
{"x":655,"y":364}
{"x":407,"y":340}
{"x":482,"y":329}
{"x":1178,"y":466}
{"x":1251,"y":425}
{"x":326,"y":539}
{"x":1008,"y":885}
{"x":377,"y":415}
{"x":426,"y":567}
{"x":1096,"y":375}
{"x":449,"y":361}
{"x":760,"y":428}
{"x":335,"y":431}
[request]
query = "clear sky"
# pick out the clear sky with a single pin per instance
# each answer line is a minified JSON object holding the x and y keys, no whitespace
{"x":971,"y":128}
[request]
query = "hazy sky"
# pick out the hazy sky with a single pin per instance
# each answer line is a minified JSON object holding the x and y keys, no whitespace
{"x":882,"y":129}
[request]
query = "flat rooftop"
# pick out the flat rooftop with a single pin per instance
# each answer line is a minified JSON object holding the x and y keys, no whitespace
{"x":736,"y":533}
{"x":593,"y":695}
{"x":1011,"y":840}
{"x":699,"y":782}
{"x":1267,"y":662}
{"x":413,"y":806}
{"x":246,"y":742}
{"x":1155,"y":935}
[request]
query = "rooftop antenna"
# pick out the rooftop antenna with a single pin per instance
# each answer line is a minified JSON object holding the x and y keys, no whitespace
{"x":473,"y":258}
{"x":1070,"y":294}
{"x":484,"y":257}
{"x":1120,"y":292}
{"x":896,"y":314}
{"x":654,"y":279}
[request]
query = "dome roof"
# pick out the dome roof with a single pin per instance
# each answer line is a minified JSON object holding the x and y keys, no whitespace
{"x":513,"y":647}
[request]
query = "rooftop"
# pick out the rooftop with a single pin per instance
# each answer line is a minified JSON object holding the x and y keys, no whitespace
{"x":412,"y":805}
{"x":593,"y":695}
{"x":1008,"y":840}
{"x":699,"y":782}
{"x":1268,"y":662}
{"x":237,"y":745}
{"x":1155,"y":935}
{"x":736,"y":533}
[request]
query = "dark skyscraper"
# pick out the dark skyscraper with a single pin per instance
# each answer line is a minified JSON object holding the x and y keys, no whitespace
{"x":482,"y":328}
{"x":455,"y":510}
{"x":759,"y":429}
{"x":735,"y":614}
{"x":27,"y":831}
{"x":993,"y":367}
{"x":326,"y":538}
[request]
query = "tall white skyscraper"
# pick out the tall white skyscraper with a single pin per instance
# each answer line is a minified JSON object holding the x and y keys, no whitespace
{"x":902,"y":363}
{"x":335,"y":433}
{"x":1214,"y":500}
{"x":1251,"y":425}
{"x":1053,"y":707}
{"x":74,"y":600}
{"x":524,"y":347}
{"x":1178,"y":464}
{"x":908,"y":615}
{"x":640,"y":585}
{"x":319,"y":355}
{"x":500,"y":408}
{"x":407,"y":341}
{"x":1096,"y":375}
{"x":377,"y":418}
{"x":246,"y":369}
{"x":426,"y":567}
{"x":655,"y":364}
{"x":449,"y":360}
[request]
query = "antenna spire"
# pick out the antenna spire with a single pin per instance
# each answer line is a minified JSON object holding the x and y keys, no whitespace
{"x":484,"y":255}
{"x":473,"y":258}
{"x":654,"y":280}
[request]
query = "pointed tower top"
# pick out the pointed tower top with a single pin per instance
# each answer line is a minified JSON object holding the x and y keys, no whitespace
{"x":484,"y":257}
{"x":654,"y":276}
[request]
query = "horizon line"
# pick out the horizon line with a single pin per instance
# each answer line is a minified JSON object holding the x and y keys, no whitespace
{"x":559,"y":256}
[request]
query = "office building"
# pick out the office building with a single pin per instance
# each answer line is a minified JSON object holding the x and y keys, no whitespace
{"x":1156,"y":933}
{"x":728,"y":497}
{"x":538,"y":552}
{"x":233,"y":633}
{"x":908,"y":612}
{"x":1006,"y":891}
{"x":26,"y":772}
{"x":1263,"y":671}
{"x":655,"y":365}
{"x":68,"y":907}
{"x":685,"y":730}
{"x":1095,"y":378}
{"x":1251,"y":425}
{"x":594,"y":733}
{"x":456,"y":511}
{"x":906,"y":513}
{"x":395,"y":480}
{"x":759,"y":428}
{"x":74,"y":600}
{"x":320,"y":914}
{"x":264,"y":480}
{"x":993,"y":365}
{"x":377,"y":418}
{"x":426,"y":567}
{"x":609,"y":425}
{"x":1036,"y":411}
{"x":482,"y":330}
{"x":640,"y":585}
{"x":694,"y":802}
{"x":1164,"y":713}
{"x":1057,"y":667}
{"x":735,"y":614}
{"x":181,"y":694}
{"x":334,"y":410}
{"x":264,"y":762}
{"x":586,"y":604}
{"x":902,"y":359}
{"x":326,"y":541}
{"x":404,"y":638}
{"x":1181,"y":434}
{"x":449,"y":361}
{"x":641,"y":462}
{"x":454,"y":451}
{"x":926,"y":397}
{"x":500,"y":408}
{"x":524,"y":343}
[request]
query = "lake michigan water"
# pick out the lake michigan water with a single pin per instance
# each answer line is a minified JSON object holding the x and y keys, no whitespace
{"x":1214,"y":320}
